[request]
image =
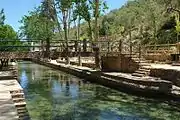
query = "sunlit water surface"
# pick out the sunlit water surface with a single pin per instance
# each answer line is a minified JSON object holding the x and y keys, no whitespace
{"x":55,"y":95}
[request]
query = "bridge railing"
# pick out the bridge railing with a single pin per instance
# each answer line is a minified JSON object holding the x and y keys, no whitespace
{"x":107,"y":47}
{"x":162,"y":49}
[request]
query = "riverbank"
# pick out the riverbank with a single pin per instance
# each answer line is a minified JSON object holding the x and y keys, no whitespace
{"x":12,"y":100}
{"x":144,"y":86}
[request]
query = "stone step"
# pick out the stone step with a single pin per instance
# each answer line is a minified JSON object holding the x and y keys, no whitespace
{"x":144,"y":69}
{"x":21,"y":108}
{"x":16,"y":91}
{"x":16,"y":100}
{"x":17,"y":95}
{"x":141,"y":72}
{"x":148,"y":61}
{"x":24,"y":116}
{"x":20,"y":104}
{"x":138,"y":75}
{"x":141,"y":61}
{"x":144,"y":64}
{"x":22,"y":111}
{"x":137,"y":58}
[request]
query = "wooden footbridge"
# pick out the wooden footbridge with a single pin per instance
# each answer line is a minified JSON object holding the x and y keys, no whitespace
{"x":27,"y":49}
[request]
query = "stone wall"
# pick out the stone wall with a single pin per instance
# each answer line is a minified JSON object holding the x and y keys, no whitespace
{"x":90,"y":65}
{"x":119,"y":64}
{"x":167,"y":74}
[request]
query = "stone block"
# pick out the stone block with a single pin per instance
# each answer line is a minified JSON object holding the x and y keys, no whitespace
{"x":119,"y":64}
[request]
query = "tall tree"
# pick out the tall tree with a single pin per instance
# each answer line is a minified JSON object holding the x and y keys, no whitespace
{"x":7,"y":33}
{"x":38,"y":25}
{"x":2,"y":17}
{"x":97,"y":54}
{"x":64,"y":7}
{"x":91,"y":9}
{"x":49,"y":13}
{"x":35,"y":26}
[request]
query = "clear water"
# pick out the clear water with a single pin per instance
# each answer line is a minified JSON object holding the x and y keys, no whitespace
{"x":55,"y":95}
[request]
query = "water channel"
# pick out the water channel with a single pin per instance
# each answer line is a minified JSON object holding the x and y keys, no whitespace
{"x":55,"y":95}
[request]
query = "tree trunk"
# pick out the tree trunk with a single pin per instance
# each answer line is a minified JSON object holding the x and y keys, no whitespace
{"x":97,"y":53}
{"x":42,"y":49}
{"x":90,"y":31}
{"x":56,"y":19}
{"x":69,"y":22}
{"x":84,"y":45}
{"x":155,"y":31}
{"x":47,"y":55}
{"x":78,"y":37}
{"x":65,"y":15}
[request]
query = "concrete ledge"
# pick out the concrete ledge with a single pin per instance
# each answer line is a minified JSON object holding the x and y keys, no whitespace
{"x":145,"y":83}
{"x":166,"y":74}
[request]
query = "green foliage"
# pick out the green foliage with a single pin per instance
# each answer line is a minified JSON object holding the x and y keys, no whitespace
{"x":177,"y":24}
{"x":7,"y":32}
{"x":37,"y":25}
{"x":86,"y":10}
{"x":8,"y":38}
{"x":145,"y":19}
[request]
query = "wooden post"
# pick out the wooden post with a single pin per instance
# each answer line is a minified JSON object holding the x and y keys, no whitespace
{"x":79,"y":55}
{"x":130,"y":42}
{"x":76,"y":45}
{"x":67,"y":53}
{"x":154,"y":51}
{"x":97,"y":57}
{"x":139,"y":52}
{"x":84,"y":45}
{"x":108,"y":46}
{"x":120,"y":47}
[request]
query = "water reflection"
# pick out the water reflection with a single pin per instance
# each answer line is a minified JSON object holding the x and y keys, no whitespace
{"x":54,"y":95}
{"x":24,"y":79}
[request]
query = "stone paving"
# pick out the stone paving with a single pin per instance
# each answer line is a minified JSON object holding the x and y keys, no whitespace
{"x":7,"y":107}
{"x":164,"y":66}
